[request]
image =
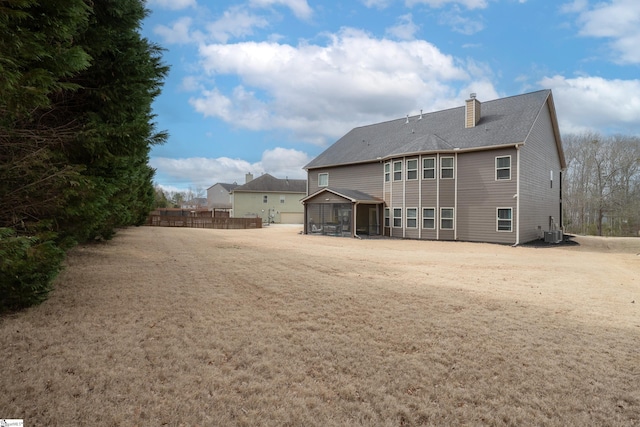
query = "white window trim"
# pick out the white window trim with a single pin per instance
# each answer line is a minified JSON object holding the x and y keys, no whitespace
{"x":453,"y":219}
{"x":417,"y":160}
{"x":414,"y":218}
{"x":453,"y":168}
{"x":434,"y":218}
{"x":393,"y":170}
{"x":434,"y":168}
{"x":387,"y":174}
{"x":393,"y":218}
{"x":387,"y":217}
{"x":323,"y":174}
{"x":503,"y":179}
{"x":498,"y":220}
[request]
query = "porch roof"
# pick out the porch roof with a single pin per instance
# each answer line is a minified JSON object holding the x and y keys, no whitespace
{"x":354,"y":196}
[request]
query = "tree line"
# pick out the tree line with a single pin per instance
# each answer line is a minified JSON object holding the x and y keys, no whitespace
{"x":601,"y":193}
{"x":76,"y":85}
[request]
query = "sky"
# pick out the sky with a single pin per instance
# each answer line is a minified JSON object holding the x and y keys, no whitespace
{"x":264,"y":86}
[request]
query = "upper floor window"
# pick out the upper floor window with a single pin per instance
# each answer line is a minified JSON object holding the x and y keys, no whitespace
{"x":397,"y":171}
{"x":446,"y":167}
{"x":387,"y":172}
{"x":429,"y":218}
{"x":503,"y":167}
{"x":446,"y":218}
{"x":264,"y":199}
{"x":504,"y":219}
{"x":429,"y":168}
{"x":282,"y":199}
{"x":412,"y":169}
{"x":412,"y":218}
{"x":397,"y":217}
{"x":323,"y":179}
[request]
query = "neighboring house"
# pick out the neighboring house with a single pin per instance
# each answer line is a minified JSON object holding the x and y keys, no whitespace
{"x":488,"y":172}
{"x":195,"y":203}
{"x":219,"y":196}
{"x":274,"y":200}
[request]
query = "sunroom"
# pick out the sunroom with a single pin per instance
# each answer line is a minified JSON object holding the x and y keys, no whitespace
{"x":342,"y":212}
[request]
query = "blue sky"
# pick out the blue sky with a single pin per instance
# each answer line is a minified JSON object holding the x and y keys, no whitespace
{"x":264,"y":86}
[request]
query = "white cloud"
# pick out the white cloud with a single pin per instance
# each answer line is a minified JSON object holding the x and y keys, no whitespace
{"x":617,"y":20}
{"x":235,"y":22}
{"x":469,"y":4}
{"x":594,"y":103}
{"x":379,"y":4}
{"x":320,"y":92}
{"x":173,"y":4}
{"x":300,"y":8}
{"x":405,"y":29}
{"x":459,"y":23}
{"x":178,"y":33}
{"x":204,"y":172}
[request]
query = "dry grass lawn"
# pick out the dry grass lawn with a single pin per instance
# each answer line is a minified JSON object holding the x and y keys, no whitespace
{"x":193,"y":327}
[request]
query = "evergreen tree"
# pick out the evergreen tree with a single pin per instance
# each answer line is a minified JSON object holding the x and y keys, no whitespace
{"x":76,"y":85}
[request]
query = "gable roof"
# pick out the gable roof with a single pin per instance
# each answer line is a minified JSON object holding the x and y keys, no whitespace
{"x":267,"y":183}
{"x":228,"y":187}
{"x":504,"y":121}
{"x":354,"y":196}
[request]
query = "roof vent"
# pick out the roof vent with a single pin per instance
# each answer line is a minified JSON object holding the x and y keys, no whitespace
{"x":420,"y":115}
{"x":472,"y":111}
{"x":407,"y":121}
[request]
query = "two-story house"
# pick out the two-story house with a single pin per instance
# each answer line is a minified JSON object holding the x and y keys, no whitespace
{"x":273,"y":199}
{"x":488,"y":172}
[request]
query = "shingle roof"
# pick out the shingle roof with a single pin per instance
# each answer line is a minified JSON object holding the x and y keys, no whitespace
{"x":267,"y":183}
{"x":352,"y":195}
{"x":503,"y":121}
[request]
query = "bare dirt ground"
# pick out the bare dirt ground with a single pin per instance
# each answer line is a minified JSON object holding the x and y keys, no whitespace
{"x":186,"y":327}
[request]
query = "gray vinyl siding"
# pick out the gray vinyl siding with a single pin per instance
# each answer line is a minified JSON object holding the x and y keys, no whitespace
{"x":479,"y":195}
{"x":365,"y":177}
{"x":538,"y":201}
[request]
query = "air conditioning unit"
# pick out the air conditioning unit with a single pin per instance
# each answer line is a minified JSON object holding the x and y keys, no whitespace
{"x":554,"y":236}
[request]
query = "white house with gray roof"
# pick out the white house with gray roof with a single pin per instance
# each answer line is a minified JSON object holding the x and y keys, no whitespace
{"x":487,"y":171}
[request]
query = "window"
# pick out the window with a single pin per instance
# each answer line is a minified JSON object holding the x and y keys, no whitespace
{"x":281,"y":199}
{"x":551,"y":177}
{"x":503,"y":168}
{"x":397,"y":171}
{"x":397,"y":217}
{"x":323,"y":179}
{"x":387,"y":213}
{"x":387,"y":172}
{"x":429,"y":168}
{"x":429,"y":218}
{"x":412,"y":169}
{"x":412,"y":218}
{"x":504,"y":219}
{"x":446,"y":167}
{"x":446,"y":219}
{"x":264,"y":199}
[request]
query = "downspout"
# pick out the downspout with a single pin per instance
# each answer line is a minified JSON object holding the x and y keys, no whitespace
{"x":455,"y":196}
{"x":419,"y":213}
{"x":437,"y":214}
{"x":517,"y":196}
{"x":404,"y":197}
{"x":354,"y":215}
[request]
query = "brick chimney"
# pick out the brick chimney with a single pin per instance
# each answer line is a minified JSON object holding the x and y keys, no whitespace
{"x":472,"y":111}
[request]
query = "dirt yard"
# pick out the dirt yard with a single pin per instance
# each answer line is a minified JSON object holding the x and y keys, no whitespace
{"x":268,"y":327}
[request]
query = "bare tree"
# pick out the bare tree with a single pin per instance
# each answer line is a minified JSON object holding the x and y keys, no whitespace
{"x":602,"y":184}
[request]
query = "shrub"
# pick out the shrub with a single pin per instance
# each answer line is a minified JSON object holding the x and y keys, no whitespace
{"x":28,"y":265}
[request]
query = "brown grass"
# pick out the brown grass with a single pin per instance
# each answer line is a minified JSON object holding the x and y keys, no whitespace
{"x":270,"y":327}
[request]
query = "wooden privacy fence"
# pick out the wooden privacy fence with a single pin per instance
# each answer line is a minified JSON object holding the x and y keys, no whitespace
{"x":203,"y":222}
